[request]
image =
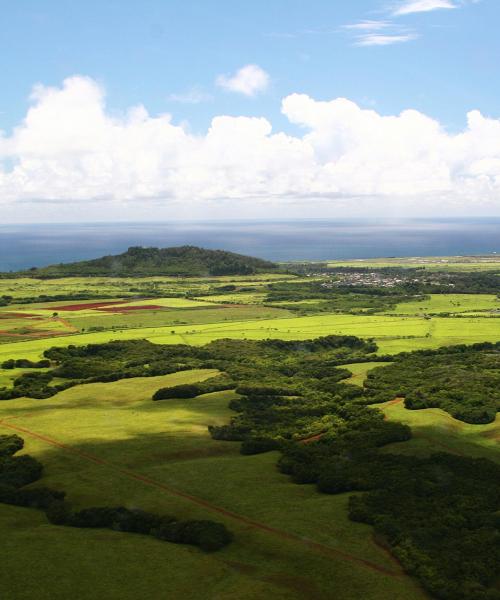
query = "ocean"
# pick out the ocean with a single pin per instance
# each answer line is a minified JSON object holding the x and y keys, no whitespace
{"x":25,"y":246}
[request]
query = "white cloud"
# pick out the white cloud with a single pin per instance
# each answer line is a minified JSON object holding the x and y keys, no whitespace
{"x":249,"y":80}
{"x":378,"y":39}
{"x":417,"y":6}
{"x":70,"y":149}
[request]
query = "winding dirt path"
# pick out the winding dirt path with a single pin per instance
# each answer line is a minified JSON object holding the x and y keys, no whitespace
{"x":317,"y":546}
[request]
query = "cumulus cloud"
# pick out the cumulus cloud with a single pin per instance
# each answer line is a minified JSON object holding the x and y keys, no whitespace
{"x":409,"y":7}
{"x":70,"y":148}
{"x":249,"y":80}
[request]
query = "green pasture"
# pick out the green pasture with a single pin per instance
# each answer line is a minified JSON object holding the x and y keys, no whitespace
{"x":117,"y":286}
{"x":449,"y":303}
{"x":171,"y":302}
{"x":434,"y":430}
{"x":189,"y":316}
{"x":168,"y":443}
{"x":393,"y":334}
{"x":360,"y":370}
{"x":236,"y":297}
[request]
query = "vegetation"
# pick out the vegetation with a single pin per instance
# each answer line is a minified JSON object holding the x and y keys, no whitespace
{"x":24,"y":363}
{"x":462,"y":380}
{"x":182,"y":261}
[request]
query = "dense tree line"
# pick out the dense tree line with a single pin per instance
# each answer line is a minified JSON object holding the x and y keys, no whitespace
{"x":192,"y":390}
{"x":140,"y":358}
{"x":17,"y":472}
{"x":24,"y":363}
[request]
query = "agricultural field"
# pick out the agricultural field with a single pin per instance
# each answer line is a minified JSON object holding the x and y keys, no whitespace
{"x":392,"y":334}
{"x":62,"y":318}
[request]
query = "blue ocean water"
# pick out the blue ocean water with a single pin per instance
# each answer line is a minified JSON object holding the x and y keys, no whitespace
{"x":24,"y":246}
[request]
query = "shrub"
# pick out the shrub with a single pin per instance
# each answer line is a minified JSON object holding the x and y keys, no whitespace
{"x":17,"y":471}
{"x":10,"y":444}
{"x":41,"y":497}
{"x":58,"y":513}
{"x":258,"y":446}
{"x":24,"y":363}
{"x":178,"y":391}
{"x":208,"y":535}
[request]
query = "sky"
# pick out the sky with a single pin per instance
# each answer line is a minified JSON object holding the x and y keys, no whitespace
{"x":213,"y":109}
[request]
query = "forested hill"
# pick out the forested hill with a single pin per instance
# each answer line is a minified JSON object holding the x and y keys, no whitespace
{"x":182,"y":260}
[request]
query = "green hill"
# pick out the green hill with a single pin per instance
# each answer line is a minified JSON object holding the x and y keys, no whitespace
{"x":181,"y":261}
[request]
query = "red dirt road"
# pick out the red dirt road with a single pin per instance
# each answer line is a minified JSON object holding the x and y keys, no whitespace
{"x":317,"y":546}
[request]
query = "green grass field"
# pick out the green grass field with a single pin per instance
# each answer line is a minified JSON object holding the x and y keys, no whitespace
{"x":436,"y":431}
{"x":118,"y":286}
{"x":393,"y":334}
{"x":432,"y":263}
{"x":168,"y":443}
{"x":450,"y":303}
{"x":360,"y":370}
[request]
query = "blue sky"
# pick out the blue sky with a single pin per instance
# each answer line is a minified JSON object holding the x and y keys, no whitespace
{"x":437,"y":57}
{"x":146,"y":51}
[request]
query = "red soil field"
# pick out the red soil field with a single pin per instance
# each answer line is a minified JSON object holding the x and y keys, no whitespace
{"x":29,"y":334}
{"x":19,"y":315}
{"x":75,"y":307}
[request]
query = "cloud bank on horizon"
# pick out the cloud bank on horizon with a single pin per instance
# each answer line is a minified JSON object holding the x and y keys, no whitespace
{"x":69,"y":148}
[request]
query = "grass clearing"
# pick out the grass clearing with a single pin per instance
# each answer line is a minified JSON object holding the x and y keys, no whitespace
{"x":434,"y":430}
{"x":360,"y":371}
{"x":449,"y":303}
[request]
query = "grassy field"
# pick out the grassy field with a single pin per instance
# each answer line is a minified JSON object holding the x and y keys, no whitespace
{"x":393,"y":334}
{"x":450,"y":303}
{"x":118,"y":286}
{"x":189,"y":316}
{"x":432,"y":263}
{"x":168,"y":443}
{"x":436,"y":431}
{"x":360,"y":370}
